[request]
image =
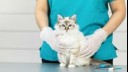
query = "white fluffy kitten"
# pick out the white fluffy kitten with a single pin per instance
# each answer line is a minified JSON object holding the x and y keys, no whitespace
{"x":71,"y":36}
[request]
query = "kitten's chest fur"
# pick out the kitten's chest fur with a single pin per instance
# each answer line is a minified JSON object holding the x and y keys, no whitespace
{"x":70,"y":38}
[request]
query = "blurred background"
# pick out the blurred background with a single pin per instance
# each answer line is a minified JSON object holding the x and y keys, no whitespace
{"x":19,"y":34}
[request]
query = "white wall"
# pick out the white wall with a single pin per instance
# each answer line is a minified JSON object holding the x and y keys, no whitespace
{"x":19,"y":36}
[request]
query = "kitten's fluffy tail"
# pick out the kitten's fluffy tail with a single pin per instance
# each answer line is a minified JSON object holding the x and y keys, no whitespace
{"x":83,"y":61}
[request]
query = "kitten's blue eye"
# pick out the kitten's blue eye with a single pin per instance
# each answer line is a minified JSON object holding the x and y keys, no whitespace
{"x":70,"y":25}
{"x":63,"y":25}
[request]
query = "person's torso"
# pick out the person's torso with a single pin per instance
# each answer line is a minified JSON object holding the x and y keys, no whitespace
{"x":91,"y":15}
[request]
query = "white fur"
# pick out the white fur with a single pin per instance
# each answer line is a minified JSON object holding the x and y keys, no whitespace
{"x":76,"y":39}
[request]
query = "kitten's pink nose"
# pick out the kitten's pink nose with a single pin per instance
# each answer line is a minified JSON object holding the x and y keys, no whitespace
{"x":66,"y":29}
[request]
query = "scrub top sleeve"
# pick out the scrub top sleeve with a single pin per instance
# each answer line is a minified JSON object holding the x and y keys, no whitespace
{"x":110,"y":1}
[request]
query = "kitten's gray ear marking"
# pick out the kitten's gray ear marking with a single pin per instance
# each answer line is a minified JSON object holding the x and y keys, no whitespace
{"x":74,"y":17}
{"x":60,"y":17}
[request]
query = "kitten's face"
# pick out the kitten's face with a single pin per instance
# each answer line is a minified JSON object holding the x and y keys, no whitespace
{"x":67,"y":23}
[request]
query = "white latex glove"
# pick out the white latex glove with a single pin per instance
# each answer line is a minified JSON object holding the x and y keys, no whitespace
{"x":50,"y":36}
{"x":94,"y":42}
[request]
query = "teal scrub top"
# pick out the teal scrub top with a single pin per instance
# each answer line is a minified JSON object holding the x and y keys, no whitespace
{"x":91,"y":15}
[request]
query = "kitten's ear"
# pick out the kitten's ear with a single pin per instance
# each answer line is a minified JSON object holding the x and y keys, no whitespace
{"x":73,"y":17}
{"x":60,"y":17}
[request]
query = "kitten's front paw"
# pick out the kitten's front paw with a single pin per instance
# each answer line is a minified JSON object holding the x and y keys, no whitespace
{"x":62,"y":65}
{"x":71,"y":65}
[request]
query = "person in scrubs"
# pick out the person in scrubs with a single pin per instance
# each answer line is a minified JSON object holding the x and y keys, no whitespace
{"x":94,"y":22}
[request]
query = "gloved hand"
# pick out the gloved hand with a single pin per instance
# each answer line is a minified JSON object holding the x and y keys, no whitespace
{"x":93,"y":43}
{"x":50,"y":36}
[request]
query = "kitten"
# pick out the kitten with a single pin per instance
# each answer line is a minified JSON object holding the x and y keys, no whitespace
{"x":71,"y":36}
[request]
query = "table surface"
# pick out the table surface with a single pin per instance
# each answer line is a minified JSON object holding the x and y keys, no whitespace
{"x":48,"y":67}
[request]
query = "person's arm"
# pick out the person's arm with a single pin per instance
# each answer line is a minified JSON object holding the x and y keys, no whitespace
{"x":95,"y":40}
{"x":46,"y":33}
{"x":41,"y":13}
{"x":118,"y":14}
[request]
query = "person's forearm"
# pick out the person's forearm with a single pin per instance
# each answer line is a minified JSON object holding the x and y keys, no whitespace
{"x":118,"y":15}
{"x":41,"y":13}
{"x":42,"y":19}
{"x":114,"y":22}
